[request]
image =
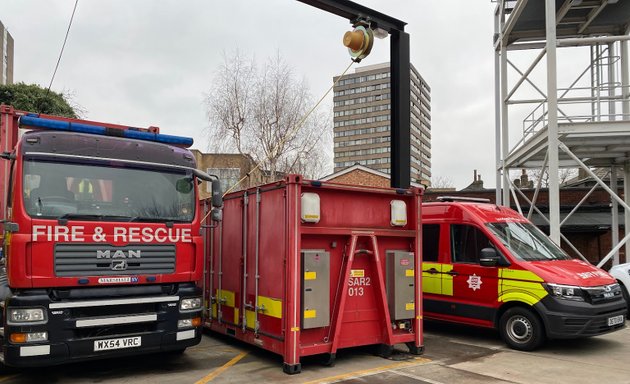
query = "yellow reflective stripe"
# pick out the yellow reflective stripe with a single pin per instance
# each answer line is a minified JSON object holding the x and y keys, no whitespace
{"x":273,"y":307}
{"x":226,"y":297}
{"x":518,"y":274}
{"x":431,"y":282}
{"x":236,"y":318}
{"x":520,"y":285}
{"x":447,"y":280}
{"x":250,"y":319}
{"x":214,"y":310}
{"x":310,"y":275}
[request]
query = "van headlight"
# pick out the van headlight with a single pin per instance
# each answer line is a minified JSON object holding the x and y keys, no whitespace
{"x":190,"y":304}
{"x":26,"y":315}
{"x":567,"y":292}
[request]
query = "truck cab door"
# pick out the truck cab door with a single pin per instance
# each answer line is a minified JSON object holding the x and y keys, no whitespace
{"x":475,"y":287}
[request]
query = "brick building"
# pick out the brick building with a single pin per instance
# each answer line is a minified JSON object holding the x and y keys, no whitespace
{"x":361,"y":175}
{"x":230,"y":168}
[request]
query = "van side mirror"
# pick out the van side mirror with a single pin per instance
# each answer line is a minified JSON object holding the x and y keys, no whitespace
{"x":489,"y":257}
{"x":217,"y":193}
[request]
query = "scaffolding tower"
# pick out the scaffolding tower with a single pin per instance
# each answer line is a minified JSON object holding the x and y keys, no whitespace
{"x":584,"y":123}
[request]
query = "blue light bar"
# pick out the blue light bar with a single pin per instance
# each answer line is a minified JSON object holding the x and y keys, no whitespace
{"x":130,"y":132}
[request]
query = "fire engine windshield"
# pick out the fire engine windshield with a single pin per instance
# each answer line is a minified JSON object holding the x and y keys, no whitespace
{"x":107,"y":193}
{"x":527,"y":242}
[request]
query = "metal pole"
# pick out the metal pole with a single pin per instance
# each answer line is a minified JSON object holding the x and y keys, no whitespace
{"x":258,"y":199}
{"x":245,"y":241}
{"x":625,"y":106}
{"x":401,"y":110}
{"x":552,"y":131}
{"x":625,"y":80}
{"x":626,"y":196}
{"x":538,"y":186}
{"x":611,"y":85}
{"x":204,"y":231}
{"x":497,"y":110}
{"x":504,"y":129}
{"x":614,"y":207}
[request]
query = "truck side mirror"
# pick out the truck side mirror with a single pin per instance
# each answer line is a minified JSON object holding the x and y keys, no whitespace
{"x":217,"y":193}
{"x":217,"y":214}
{"x":489,"y":257}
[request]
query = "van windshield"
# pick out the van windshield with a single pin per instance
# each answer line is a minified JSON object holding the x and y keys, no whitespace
{"x":526,"y":242}
{"x":54,"y":189}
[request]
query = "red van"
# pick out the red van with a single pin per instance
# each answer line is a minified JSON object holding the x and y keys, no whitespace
{"x":488,"y":266}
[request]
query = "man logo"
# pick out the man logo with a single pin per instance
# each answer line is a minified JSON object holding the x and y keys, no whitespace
{"x":119,"y":265}
{"x":118,"y":254}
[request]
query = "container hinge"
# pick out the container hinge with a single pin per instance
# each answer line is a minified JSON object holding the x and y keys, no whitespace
{"x":223,"y":300}
{"x":249,"y":306}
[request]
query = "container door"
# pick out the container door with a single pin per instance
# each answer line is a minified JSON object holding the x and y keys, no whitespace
{"x":475,"y":287}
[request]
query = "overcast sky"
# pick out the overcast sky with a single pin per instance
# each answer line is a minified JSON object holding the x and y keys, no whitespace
{"x":150,"y":62}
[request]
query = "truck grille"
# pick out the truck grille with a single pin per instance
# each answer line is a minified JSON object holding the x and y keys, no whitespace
{"x":107,"y":260}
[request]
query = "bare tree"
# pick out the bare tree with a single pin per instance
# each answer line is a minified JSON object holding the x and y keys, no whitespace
{"x":564,"y":175}
{"x":442,"y":182}
{"x":259,"y":112}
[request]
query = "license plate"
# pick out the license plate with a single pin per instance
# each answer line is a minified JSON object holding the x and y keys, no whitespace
{"x":608,"y":295}
{"x":615,"y":320}
{"x":124,"y":342}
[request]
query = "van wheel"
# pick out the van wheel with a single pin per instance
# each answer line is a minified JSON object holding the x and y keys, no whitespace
{"x":626,"y":297}
{"x":521,"y":329}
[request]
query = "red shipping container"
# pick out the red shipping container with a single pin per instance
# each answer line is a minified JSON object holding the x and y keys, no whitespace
{"x":303,"y":267}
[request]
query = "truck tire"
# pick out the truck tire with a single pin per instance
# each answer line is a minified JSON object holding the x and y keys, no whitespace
{"x":521,"y":329}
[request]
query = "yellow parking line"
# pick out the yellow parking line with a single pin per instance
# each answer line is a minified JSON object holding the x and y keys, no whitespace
{"x":365,"y":372}
{"x":221,"y":369}
{"x":5,"y":378}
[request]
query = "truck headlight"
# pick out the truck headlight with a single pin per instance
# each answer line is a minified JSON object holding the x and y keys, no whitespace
{"x":567,"y":292}
{"x":190,"y":304}
{"x":26,"y":315}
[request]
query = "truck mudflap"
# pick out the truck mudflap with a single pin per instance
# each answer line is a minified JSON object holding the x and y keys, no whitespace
{"x":566,"y":319}
{"x":100,"y":327}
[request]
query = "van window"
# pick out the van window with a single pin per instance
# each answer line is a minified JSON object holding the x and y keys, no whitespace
{"x":527,"y":242}
{"x":430,"y":242}
{"x":467,"y":242}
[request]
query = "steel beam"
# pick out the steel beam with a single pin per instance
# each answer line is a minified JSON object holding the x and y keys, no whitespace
{"x":614,"y":208}
{"x":552,"y":137}
{"x":353,"y":11}
{"x":401,"y":110}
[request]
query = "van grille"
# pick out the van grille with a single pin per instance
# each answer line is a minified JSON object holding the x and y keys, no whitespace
{"x":603,"y":294}
{"x":108,"y":260}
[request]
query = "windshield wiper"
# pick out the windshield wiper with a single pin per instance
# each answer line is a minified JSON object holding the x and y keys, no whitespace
{"x":92,"y":217}
{"x":146,"y":219}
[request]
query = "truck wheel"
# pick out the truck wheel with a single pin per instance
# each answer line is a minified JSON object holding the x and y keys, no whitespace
{"x":521,"y":329}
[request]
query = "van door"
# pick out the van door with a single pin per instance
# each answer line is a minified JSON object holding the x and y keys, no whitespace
{"x":437,"y":288}
{"x":475,"y":287}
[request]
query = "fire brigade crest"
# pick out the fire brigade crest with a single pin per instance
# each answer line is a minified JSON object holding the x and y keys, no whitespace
{"x":474,"y":282}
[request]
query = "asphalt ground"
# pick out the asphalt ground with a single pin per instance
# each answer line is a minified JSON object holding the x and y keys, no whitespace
{"x":454,"y":354}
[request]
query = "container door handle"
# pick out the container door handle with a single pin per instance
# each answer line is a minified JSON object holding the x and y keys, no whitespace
{"x":452,"y":273}
{"x":432,"y":271}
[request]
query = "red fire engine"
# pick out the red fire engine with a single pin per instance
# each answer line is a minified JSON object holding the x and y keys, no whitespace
{"x":101,"y":240}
